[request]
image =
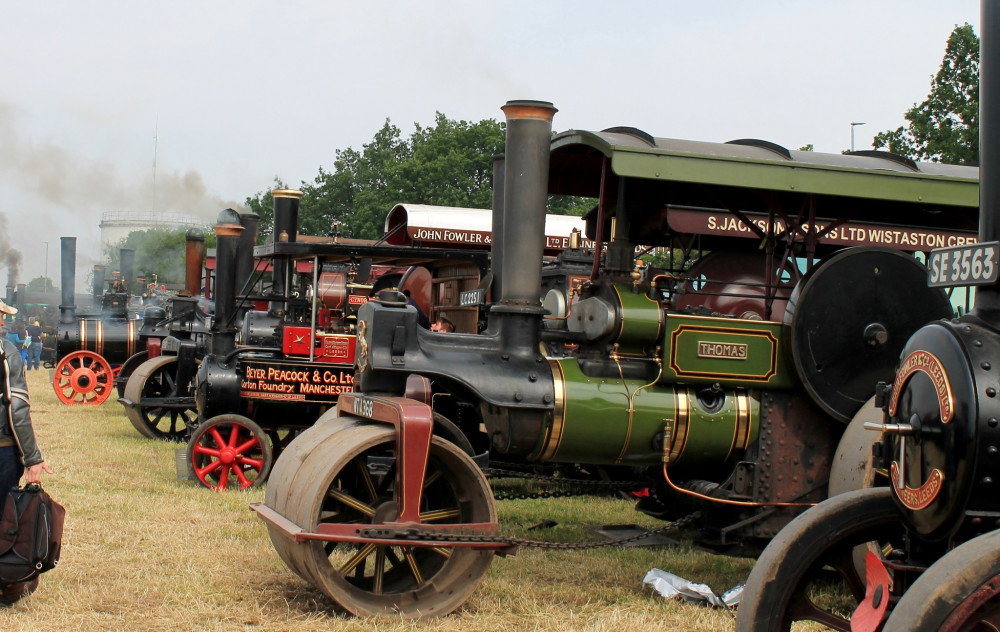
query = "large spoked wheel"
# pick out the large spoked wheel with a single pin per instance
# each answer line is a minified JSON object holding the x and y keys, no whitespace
{"x":344,"y":471}
{"x":230,"y":451}
{"x":83,"y":378}
{"x":154,"y":379}
{"x":127,"y":369}
{"x":961,"y":591}
{"x":791,"y":579}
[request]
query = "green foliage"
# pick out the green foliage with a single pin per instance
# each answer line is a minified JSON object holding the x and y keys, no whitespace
{"x":158,"y":251}
{"x":447,"y":164}
{"x":808,"y":147}
{"x":40,"y":284}
{"x":945,"y":127}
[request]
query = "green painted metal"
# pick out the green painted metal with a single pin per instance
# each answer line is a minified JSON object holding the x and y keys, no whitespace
{"x":592,"y":423}
{"x":872,"y":176}
{"x":641,"y":323}
{"x":728,"y":351}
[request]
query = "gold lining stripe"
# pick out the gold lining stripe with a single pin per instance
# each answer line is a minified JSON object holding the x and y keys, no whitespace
{"x":83,"y":334}
{"x":682,"y":421}
{"x":99,"y":337}
{"x":554,"y":436}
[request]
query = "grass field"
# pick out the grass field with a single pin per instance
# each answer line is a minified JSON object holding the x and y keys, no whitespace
{"x":143,"y":551}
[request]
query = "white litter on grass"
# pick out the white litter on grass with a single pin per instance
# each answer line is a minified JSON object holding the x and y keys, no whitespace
{"x":674,"y":587}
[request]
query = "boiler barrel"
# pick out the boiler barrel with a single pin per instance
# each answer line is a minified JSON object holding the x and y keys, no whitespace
{"x":115,"y":340}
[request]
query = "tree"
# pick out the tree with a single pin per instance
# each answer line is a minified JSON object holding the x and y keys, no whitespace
{"x":447,"y":164}
{"x":158,"y":251}
{"x":40,"y":284}
{"x":945,"y":127}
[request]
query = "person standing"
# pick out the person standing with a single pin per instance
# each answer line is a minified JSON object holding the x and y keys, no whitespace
{"x":19,"y":453}
{"x":35,"y":348}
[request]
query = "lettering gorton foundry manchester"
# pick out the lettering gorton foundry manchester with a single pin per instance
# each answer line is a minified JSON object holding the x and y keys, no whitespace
{"x":295,"y":382}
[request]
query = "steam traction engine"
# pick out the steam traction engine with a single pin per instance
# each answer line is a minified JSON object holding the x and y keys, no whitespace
{"x":922,"y":550}
{"x":724,"y":379}
{"x":258,"y":386}
{"x":91,"y":348}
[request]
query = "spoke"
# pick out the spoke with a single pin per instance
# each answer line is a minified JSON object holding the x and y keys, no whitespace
{"x":246,"y":445}
{"x":443,"y":552}
{"x":223,"y":477}
{"x":379,"y":570}
{"x":366,"y":478}
{"x":214,"y":431}
{"x":429,"y":480}
{"x":352,"y":502}
{"x":414,"y":568}
{"x":234,"y":435}
{"x":440,"y":514}
{"x":801,"y":608}
{"x":257,"y":464}
{"x":356,"y":559}
{"x":202,"y":449}
{"x":387,"y":480}
{"x":208,"y":469}
{"x":241,"y":477}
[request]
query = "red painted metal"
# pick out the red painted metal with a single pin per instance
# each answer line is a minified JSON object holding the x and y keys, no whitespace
{"x":871,"y":612}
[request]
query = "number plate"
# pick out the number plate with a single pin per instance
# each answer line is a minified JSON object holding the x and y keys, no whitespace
{"x":975,"y":264}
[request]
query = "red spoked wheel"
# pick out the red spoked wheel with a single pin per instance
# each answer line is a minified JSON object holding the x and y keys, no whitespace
{"x":230,"y":451}
{"x":83,"y":378}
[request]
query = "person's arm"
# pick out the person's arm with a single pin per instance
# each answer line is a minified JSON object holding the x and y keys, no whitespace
{"x":20,"y":417}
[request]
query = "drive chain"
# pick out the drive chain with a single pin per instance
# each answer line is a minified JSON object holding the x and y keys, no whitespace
{"x":583,"y":486}
{"x":417,"y":534}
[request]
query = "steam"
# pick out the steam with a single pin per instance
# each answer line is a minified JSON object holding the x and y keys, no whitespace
{"x":11,"y":256}
{"x":73,"y":191}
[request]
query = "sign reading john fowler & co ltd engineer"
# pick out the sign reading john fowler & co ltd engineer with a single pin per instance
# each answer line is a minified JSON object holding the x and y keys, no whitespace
{"x":295,"y":382}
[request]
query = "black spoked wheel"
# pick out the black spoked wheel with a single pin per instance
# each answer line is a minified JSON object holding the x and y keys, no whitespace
{"x":807,"y":573}
{"x":346,"y":473}
{"x":154,"y":379}
{"x":959,"y":593}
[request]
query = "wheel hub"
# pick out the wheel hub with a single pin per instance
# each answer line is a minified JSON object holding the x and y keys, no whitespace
{"x":227,"y":456}
{"x":386,"y":512}
{"x":83,"y":380}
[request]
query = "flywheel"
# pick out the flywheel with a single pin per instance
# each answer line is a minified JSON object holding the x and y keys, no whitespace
{"x":849,"y":320}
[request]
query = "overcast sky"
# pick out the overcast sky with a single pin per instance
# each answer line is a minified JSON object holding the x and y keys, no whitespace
{"x":240,"y":92}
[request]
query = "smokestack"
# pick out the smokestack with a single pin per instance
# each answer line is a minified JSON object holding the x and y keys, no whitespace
{"x":988,"y":297}
{"x":227,"y":232}
{"x":127,"y":267}
{"x":496,"y":244}
{"x":21,"y":290}
{"x":194,"y":260}
{"x":244,"y":257}
{"x":286,"y":222}
{"x":68,"y":279}
{"x":99,"y":271}
{"x":525,"y":191}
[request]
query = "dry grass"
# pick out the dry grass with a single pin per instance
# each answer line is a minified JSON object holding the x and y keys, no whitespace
{"x":143,"y":551}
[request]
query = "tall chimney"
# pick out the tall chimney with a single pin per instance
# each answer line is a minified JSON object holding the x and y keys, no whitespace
{"x":127,"y":266}
{"x":526,"y":172}
{"x":21,"y":290}
{"x":988,"y":297}
{"x":227,"y":232}
{"x":68,"y":279}
{"x":98,"y":286}
{"x":496,"y":241}
{"x":194,"y":260}
{"x":286,"y":222}
{"x":244,"y":257}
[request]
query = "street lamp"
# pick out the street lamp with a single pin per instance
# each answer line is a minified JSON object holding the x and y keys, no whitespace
{"x":853,"y":125}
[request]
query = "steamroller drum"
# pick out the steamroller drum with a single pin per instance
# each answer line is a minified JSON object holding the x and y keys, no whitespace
{"x":733,"y":283}
{"x":230,"y":451}
{"x":850,"y":318}
{"x":788,"y":583}
{"x":961,"y":591}
{"x":852,"y":462}
{"x":126,"y":370}
{"x":155,"y":379}
{"x":83,"y":378}
{"x":347,"y":473}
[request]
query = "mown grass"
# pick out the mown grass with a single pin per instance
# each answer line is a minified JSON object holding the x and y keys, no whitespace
{"x":143,"y":551}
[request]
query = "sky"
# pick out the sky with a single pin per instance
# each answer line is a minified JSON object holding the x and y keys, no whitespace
{"x":188,"y":107}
